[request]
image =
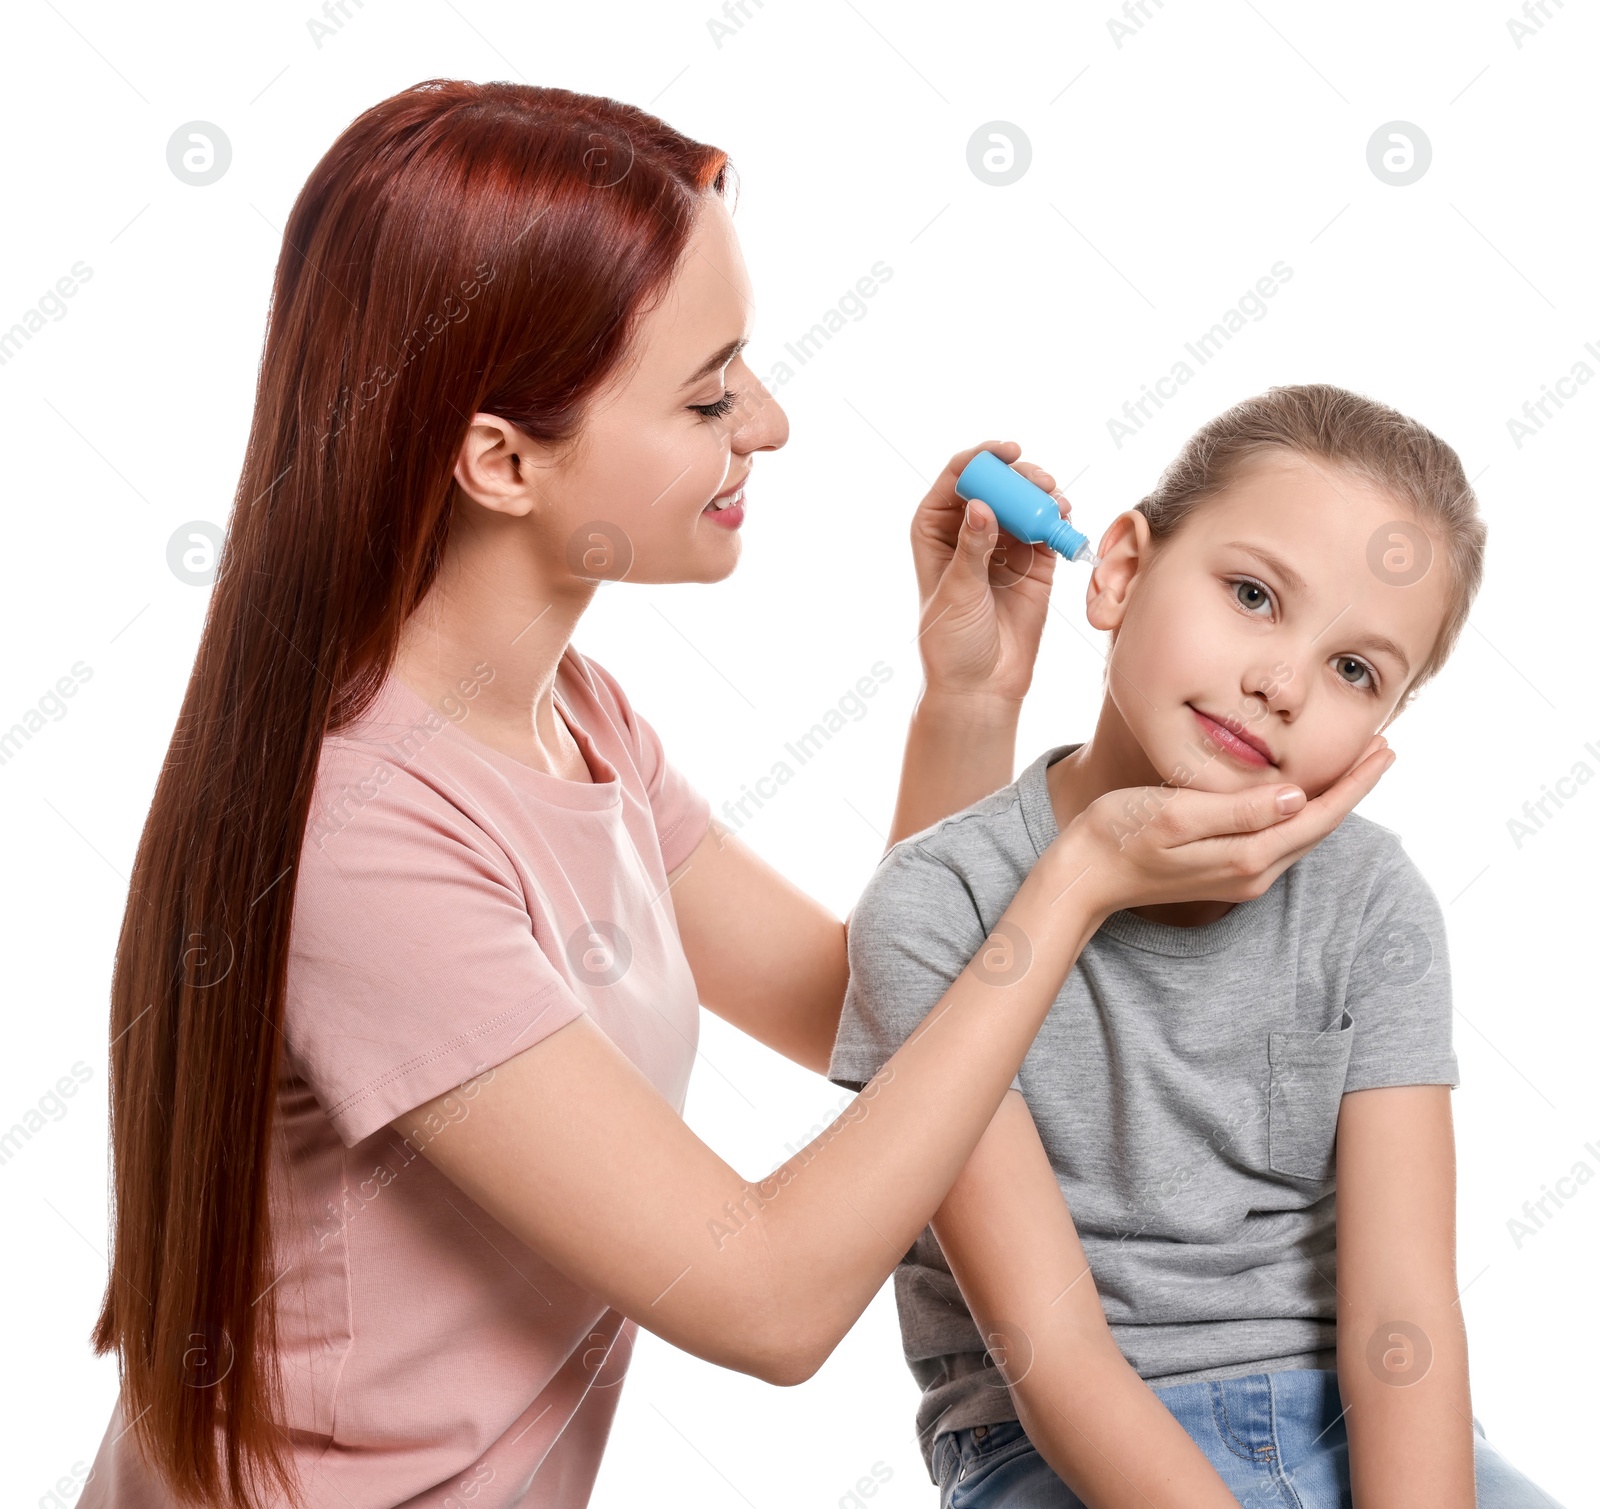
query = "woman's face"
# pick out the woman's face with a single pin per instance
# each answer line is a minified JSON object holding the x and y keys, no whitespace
{"x":676,"y":428}
{"x":1260,"y":641}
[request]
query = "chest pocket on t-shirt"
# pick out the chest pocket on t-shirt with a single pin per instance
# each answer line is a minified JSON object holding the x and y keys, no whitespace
{"x":1307,"y":1080}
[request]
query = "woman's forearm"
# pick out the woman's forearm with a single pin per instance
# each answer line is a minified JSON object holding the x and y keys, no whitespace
{"x":1107,"y":1436}
{"x":958,"y":750}
{"x":840,"y":1214}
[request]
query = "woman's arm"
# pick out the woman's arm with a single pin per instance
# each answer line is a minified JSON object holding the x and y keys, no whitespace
{"x":577,"y":1154}
{"x":572,"y":1149}
{"x":764,"y":955}
{"x":959,"y":748}
{"x":772,"y":960}
{"x":767,"y":957}
{"x":982,"y":597}
{"x":1402,"y":1341}
{"x":1012,"y":1247}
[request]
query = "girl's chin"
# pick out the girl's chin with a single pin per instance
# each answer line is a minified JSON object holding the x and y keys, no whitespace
{"x":1192,"y":771}
{"x":1209,"y":780}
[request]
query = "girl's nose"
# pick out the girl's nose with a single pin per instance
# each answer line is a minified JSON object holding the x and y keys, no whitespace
{"x":1277,"y":688}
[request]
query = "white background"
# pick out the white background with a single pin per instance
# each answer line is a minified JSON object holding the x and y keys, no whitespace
{"x":1167,"y":175}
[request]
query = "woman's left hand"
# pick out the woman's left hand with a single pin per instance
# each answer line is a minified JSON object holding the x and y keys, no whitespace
{"x":983,"y":593}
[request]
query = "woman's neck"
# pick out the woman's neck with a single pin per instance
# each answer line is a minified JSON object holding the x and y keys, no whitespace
{"x":489,"y":637}
{"x":1112,"y":760}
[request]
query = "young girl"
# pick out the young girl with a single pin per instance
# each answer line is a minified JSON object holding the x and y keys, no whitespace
{"x":1219,"y":1089}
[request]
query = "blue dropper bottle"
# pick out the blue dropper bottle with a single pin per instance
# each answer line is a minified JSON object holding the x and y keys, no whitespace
{"x":1024,"y":511}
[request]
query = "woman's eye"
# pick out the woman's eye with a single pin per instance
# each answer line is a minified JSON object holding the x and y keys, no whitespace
{"x":1251,"y":595}
{"x":718,"y":410}
{"x":1356,"y":672}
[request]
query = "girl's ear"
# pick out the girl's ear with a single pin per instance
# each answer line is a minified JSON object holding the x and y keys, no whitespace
{"x":1124,"y":552}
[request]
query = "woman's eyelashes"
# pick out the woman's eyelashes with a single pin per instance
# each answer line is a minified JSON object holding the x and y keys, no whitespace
{"x":718,"y":410}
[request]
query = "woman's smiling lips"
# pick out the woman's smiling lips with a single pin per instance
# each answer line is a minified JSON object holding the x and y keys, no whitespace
{"x":1233,"y":738}
{"x":727,"y":508}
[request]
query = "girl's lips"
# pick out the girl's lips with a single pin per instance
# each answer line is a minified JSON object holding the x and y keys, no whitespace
{"x":1235,"y":740}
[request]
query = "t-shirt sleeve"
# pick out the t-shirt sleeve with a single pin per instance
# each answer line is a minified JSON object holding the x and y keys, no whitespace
{"x":1399,"y":985}
{"x":912,"y":931}
{"x":682,"y":814}
{"x":413,"y":964}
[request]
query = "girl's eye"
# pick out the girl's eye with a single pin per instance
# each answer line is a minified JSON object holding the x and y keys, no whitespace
{"x":718,"y":410}
{"x":1251,"y":595}
{"x":1356,"y":673}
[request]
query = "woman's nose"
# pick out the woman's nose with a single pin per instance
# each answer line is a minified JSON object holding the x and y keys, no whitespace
{"x":766,"y":425}
{"x":758,"y":419}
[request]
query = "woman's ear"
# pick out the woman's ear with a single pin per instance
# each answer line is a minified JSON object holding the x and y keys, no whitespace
{"x":1125,"y":551}
{"x":498,"y":465}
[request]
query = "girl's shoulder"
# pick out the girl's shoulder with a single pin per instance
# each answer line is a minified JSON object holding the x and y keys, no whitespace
{"x":1359,"y":872}
{"x":1357,"y":846}
{"x":1359,"y":840}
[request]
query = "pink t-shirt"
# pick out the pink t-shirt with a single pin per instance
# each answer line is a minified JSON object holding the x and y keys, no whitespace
{"x":453,"y":907}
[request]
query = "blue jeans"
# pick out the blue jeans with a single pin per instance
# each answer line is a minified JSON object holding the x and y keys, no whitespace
{"x":1276,"y":1439}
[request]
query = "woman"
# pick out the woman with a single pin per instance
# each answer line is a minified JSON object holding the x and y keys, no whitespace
{"x":417,"y":879}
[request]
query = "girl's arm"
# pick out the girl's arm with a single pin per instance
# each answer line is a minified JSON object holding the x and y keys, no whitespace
{"x":1012,"y":1247}
{"x":1402,"y":1340}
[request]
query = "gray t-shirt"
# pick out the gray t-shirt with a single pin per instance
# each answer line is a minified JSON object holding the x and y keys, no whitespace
{"x":1185,"y":1086}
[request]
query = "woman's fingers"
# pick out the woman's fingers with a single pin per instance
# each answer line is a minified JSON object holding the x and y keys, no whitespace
{"x":979,"y":518}
{"x":1006,"y":450}
{"x":1339,"y":800}
{"x":979,"y":538}
{"x":1307,"y":828}
{"x":982,"y":594}
{"x":1040,"y":478}
{"x":1310,"y":839}
{"x":942,"y":496}
{"x":1196,"y":816}
{"x":1278,"y":817}
{"x":939,"y":519}
{"x":1161,"y":844}
{"x":1263,"y":806}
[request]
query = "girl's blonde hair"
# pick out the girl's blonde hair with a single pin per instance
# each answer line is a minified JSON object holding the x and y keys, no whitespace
{"x":1376,"y":443}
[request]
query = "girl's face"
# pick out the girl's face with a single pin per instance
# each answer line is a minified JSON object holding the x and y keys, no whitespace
{"x":1267,"y":638}
{"x":675,"y":428}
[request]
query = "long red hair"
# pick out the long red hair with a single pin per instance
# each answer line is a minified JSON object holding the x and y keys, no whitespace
{"x":460,"y":248}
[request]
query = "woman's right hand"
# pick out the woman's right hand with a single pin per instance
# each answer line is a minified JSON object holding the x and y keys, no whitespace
{"x":1146,"y":845}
